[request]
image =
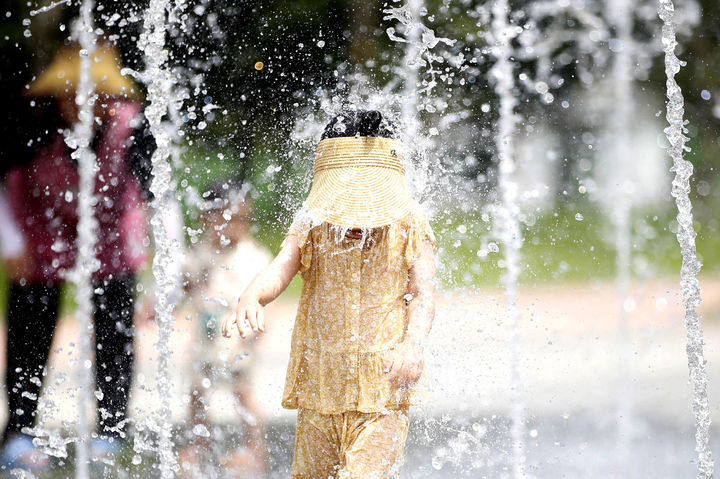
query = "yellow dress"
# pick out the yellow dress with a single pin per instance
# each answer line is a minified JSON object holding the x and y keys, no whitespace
{"x":352,"y":312}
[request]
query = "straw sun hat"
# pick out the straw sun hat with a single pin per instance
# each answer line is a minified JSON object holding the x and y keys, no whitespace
{"x":63,"y":74}
{"x":359,"y":182}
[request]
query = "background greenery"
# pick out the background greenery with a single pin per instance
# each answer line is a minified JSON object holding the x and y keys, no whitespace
{"x":309,"y":47}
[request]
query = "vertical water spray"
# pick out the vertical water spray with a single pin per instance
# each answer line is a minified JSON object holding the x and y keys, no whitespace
{"x":80,"y":140}
{"x":159,"y":89}
{"x":409,"y":108}
{"x":683,"y":169}
{"x":620,"y":17}
{"x":508,"y":216}
{"x":416,"y":92}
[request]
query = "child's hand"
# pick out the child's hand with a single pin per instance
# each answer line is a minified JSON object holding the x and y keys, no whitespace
{"x":405,"y":365}
{"x":248,"y":316}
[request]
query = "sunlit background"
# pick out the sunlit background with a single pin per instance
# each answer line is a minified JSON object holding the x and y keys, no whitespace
{"x":603,"y":380}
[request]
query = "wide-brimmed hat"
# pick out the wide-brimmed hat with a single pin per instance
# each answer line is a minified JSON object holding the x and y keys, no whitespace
{"x":62,"y":76}
{"x":359,"y":182}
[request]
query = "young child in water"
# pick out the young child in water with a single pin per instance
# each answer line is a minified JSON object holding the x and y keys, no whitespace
{"x":366,"y":256}
{"x":227,"y":257}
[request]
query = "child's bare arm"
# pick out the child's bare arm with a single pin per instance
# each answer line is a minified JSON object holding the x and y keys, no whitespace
{"x":421,"y":308}
{"x":267,"y":285}
{"x":407,"y":364}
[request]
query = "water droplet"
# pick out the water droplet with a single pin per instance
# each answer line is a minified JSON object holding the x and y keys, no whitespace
{"x":84,"y":53}
{"x":579,"y":217}
{"x":26,"y":22}
{"x":27,"y":33}
{"x":201,"y":430}
{"x":437,"y":463}
{"x":202,"y":125}
{"x":321,"y":43}
{"x":533,"y":433}
{"x":136,"y":459}
{"x":705,"y":95}
{"x":541,"y":87}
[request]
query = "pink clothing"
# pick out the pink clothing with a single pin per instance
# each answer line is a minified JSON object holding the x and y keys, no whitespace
{"x":43,"y":196}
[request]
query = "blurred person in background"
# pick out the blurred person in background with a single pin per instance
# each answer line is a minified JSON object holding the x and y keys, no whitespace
{"x":227,"y":257}
{"x":42,"y":219}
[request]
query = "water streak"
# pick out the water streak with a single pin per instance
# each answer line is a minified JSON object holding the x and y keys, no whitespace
{"x":80,"y":139}
{"x":49,"y":7}
{"x":159,"y":93}
{"x":508,"y":216}
{"x":683,"y":169}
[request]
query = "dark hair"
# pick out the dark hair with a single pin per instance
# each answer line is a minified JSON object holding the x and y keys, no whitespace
{"x":359,"y":123}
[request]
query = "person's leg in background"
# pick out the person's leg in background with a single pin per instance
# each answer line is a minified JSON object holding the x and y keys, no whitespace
{"x":31,"y":318}
{"x":114,"y":334}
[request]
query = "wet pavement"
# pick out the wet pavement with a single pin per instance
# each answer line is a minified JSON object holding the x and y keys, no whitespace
{"x":576,"y":383}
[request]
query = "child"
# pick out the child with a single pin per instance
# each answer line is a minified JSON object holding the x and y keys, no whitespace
{"x":366,"y":256}
{"x":226,"y":257}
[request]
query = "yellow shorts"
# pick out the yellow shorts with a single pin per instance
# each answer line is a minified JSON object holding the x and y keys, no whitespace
{"x":350,"y":445}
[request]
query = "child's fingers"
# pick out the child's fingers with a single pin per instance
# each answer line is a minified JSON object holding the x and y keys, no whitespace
{"x":396,"y":376}
{"x":242,"y":324}
{"x":261,"y":319}
{"x":387,"y":367}
{"x":227,"y":323}
{"x":252,"y":313}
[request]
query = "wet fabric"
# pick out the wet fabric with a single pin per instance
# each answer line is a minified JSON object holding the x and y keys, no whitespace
{"x":43,"y":198}
{"x":352,"y":312}
{"x":349,"y":445}
{"x":32,"y":317}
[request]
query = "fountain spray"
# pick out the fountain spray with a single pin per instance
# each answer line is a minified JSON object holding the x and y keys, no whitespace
{"x":683,"y":169}
{"x":159,"y":92}
{"x":80,"y":139}
{"x":508,"y":216}
{"x":409,"y":107}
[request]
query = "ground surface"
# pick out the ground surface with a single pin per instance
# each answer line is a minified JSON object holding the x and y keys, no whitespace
{"x":580,"y":372}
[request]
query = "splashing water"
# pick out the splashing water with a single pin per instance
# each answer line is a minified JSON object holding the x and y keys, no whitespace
{"x":419,"y":73}
{"x":508,"y":216}
{"x":686,"y":237}
{"x":409,"y":16}
{"x":80,"y":139}
{"x":49,"y":7}
{"x":160,"y":88}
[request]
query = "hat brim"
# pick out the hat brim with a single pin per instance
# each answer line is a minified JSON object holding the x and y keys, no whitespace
{"x":359,"y":197}
{"x":63,"y":75}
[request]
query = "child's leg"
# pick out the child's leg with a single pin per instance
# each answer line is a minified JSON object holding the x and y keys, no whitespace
{"x":191,"y":454}
{"x":251,"y":416}
{"x":375,"y":444}
{"x":317,"y":445}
